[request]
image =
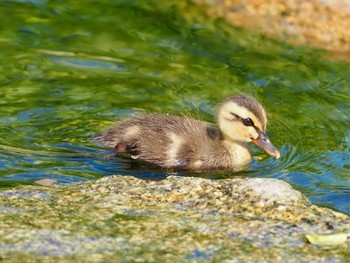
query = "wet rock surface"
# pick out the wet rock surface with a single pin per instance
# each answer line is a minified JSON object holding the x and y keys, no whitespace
{"x":177,"y":219}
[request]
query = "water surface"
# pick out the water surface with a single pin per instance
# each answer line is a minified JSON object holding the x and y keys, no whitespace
{"x":69,"y":70}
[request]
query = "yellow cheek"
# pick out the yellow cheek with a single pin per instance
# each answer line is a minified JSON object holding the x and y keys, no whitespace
{"x":253,"y":134}
{"x":240,"y":132}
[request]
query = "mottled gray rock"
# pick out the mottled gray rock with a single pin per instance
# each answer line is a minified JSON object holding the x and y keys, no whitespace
{"x":267,"y":191}
{"x":178,"y":219}
{"x":32,"y":194}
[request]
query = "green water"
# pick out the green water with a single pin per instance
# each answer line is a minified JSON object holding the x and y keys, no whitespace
{"x":69,"y":69}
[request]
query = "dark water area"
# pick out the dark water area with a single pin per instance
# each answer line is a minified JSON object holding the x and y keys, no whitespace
{"x":70,"y":69}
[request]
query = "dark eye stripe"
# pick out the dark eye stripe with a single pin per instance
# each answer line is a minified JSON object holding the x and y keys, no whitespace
{"x":246,"y":121}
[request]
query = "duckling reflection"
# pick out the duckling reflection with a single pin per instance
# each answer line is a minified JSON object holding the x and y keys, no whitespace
{"x":185,"y":143}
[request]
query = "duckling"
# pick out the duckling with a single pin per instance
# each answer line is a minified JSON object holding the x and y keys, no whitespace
{"x":185,"y":143}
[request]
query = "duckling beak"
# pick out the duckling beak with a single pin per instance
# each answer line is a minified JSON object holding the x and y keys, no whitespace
{"x":264,"y":143}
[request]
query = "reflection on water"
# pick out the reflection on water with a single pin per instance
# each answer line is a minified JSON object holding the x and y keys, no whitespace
{"x":69,"y":70}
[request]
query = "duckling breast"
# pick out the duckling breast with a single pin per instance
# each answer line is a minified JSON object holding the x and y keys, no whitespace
{"x":240,"y":155}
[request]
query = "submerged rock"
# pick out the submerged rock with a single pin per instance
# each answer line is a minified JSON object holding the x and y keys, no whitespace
{"x":177,"y":219}
{"x":47,"y":182}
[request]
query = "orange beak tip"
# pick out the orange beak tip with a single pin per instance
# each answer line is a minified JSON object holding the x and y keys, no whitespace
{"x":277,"y":154}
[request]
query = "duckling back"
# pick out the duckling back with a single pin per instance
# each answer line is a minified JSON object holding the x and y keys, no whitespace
{"x":172,"y":142}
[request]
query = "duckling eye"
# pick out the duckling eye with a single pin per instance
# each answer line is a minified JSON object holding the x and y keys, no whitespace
{"x":248,"y":122}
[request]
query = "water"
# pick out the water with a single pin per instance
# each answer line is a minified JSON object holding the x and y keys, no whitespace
{"x":69,"y":70}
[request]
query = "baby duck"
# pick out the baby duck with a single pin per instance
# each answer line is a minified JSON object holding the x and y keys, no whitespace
{"x":185,"y":143}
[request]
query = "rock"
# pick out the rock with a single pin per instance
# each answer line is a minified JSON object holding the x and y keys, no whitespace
{"x":322,"y":24}
{"x":47,"y":182}
{"x":123,"y":218}
{"x":268,"y":191}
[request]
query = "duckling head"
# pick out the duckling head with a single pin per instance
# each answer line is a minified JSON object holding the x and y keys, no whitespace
{"x":242,"y":119}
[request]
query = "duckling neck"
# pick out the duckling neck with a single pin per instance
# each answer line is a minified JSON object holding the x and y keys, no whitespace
{"x":239,"y":151}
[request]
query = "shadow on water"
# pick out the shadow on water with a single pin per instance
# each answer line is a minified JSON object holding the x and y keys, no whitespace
{"x":70,"y":70}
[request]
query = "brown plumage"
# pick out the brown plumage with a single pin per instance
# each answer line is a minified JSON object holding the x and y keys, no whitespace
{"x":180,"y":142}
